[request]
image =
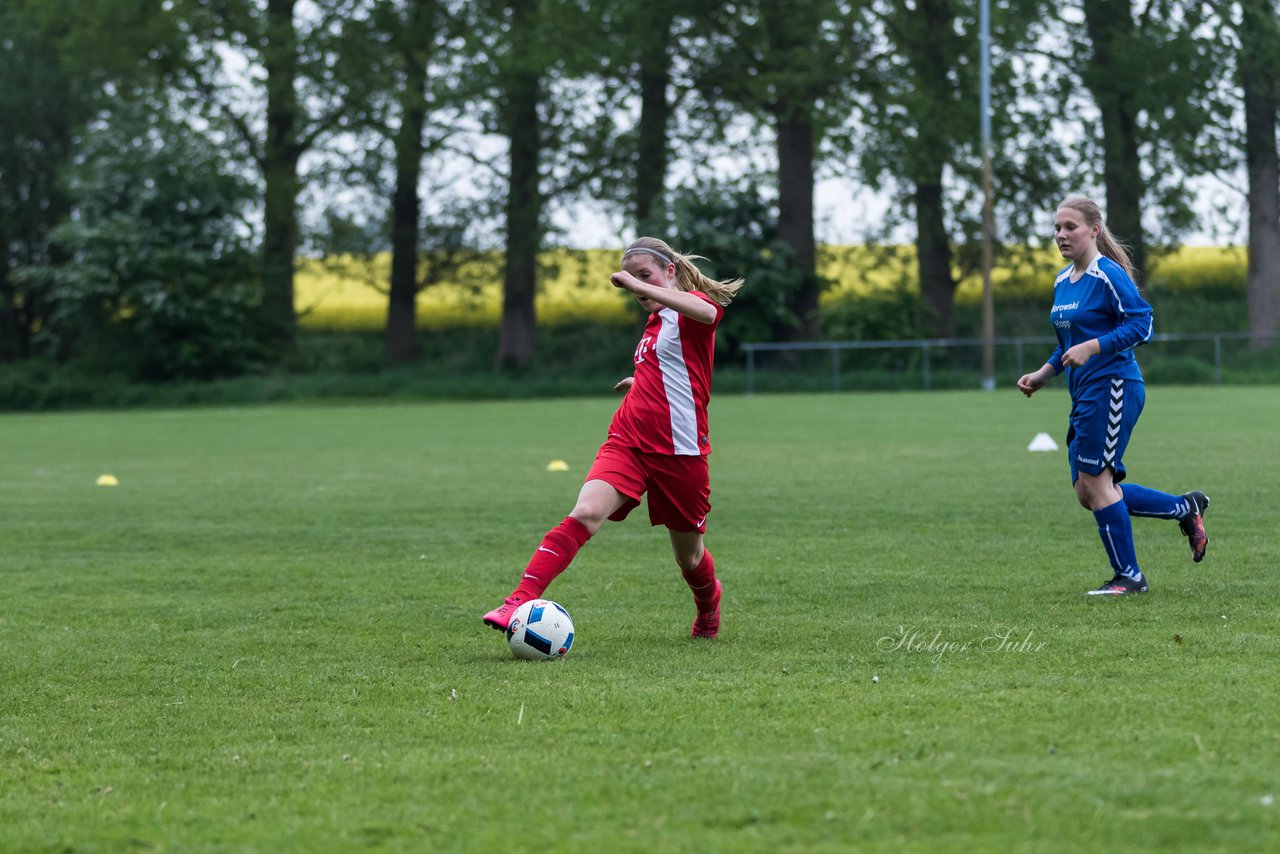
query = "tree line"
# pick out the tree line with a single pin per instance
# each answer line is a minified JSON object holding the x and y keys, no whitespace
{"x":162,"y":164}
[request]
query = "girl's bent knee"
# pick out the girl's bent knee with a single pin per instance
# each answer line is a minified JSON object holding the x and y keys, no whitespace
{"x":590,"y":518}
{"x":686,"y":563}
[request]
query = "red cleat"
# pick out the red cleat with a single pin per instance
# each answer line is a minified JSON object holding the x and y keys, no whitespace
{"x":707,"y":623}
{"x":500,"y":618}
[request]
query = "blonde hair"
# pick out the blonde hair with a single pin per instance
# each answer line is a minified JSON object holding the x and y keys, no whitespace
{"x":1108,"y":243}
{"x":688,"y":276}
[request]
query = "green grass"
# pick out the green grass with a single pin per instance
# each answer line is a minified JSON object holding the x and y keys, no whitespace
{"x":267,"y":637}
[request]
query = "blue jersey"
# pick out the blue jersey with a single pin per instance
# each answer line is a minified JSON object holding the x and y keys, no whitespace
{"x":1104,"y":304}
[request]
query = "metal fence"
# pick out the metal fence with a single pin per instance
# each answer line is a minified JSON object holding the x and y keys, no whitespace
{"x":925,"y":351}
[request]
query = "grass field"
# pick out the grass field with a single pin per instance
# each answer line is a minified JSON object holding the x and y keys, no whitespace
{"x":267,"y":636}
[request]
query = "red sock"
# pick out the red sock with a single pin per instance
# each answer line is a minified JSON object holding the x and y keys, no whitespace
{"x":702,"y":581}
{"x":553,"y":555}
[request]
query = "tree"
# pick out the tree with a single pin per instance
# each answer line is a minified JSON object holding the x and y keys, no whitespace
{"x":281,"y":148}
{"x":401,"y":340}
{"x":61,"y":61}
{"x":643,"y":39}
{"x":41,"y":106}
{"x":644,"y":67}
{"x":927,"y":73}
{"x":1117,"y":76}
{"x":655,"y":32}
{"x":523,"y":87}
{"x":159,"y":279}
{"x":736,"y":229}
{"x":649,"y":40}
{"x":416,"y":32}
{"x":1153,"y":77}
{"x":531,"y":57}
{"x":1259,"y":71}
{"x":309,"y":91}
{"x":920,"y":127}
{"x":790,"y":65}
{"x":382,"y":182}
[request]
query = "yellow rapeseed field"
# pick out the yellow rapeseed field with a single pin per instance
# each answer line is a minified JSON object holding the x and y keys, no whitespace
{"x":341,"y":294}
{"x":574,"y":286}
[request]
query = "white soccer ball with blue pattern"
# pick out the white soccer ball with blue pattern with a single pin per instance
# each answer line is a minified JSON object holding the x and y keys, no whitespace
{"x":540,"y":630}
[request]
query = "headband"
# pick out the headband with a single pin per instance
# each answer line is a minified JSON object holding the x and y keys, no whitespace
{"x":646,"y":250}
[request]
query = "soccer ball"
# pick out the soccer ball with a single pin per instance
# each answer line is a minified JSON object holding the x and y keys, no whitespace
{"x":540,"y":630}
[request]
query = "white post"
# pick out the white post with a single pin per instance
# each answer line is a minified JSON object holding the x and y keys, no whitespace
{"x":988,"y":215}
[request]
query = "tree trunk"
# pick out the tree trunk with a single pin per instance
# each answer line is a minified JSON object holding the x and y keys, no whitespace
{"x":790,"y":31}
{"x":655,"y":113}
{"x":280,"y":172}
{"x":1259,"y":38}
{"x":933,"y":256}
{"x":795,"y":209}
{"x":1118,"y":94}
{"x":931,"y":46}
{"x":13,"y":332}
{"x":401,"y":341}
{"x":518,"y":332}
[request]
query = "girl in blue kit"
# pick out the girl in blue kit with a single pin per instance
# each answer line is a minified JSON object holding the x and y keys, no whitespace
{"x":1099,"y":318}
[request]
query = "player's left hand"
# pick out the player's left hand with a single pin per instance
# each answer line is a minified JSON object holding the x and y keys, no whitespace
{"x":623,"y":279}
{"x":1081,"y":353}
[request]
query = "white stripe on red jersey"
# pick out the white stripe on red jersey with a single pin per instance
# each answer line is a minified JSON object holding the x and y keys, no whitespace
{"x":675,"y":381}
{"x":665,"y":411}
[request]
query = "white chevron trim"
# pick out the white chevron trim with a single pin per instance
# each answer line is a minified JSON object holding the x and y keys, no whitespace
{"x":1114,"y":417}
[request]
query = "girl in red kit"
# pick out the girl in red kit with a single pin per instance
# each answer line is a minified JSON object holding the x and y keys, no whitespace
{"x":657,"y":442}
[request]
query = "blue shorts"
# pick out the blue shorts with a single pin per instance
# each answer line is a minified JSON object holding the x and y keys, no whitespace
{"x":1102,"y":417}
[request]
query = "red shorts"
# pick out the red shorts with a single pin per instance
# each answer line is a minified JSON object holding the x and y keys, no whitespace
{"x":679,"y":487}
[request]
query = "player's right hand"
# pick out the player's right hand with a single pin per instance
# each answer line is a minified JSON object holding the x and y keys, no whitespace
{"x":1029,"y":384}
{"x":624,"y":385}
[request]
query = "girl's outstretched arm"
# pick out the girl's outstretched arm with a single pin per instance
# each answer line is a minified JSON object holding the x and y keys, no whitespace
{"x":692,"y":307}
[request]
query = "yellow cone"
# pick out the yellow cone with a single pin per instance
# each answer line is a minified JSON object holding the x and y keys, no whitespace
{"x":108,"y":480}
{"x":557,"y":465}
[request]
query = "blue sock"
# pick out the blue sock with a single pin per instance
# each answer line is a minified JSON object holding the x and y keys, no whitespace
{"x":1143,"y":501}
{"x":1117,"y":538}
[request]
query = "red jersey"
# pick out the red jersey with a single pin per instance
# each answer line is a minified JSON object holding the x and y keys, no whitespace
{"x":665,"y":411}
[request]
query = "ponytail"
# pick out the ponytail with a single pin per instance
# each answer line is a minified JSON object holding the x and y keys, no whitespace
{"x":1108,"y":243}
{"x":688,"y":276}
{"x":1111,"y":246}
